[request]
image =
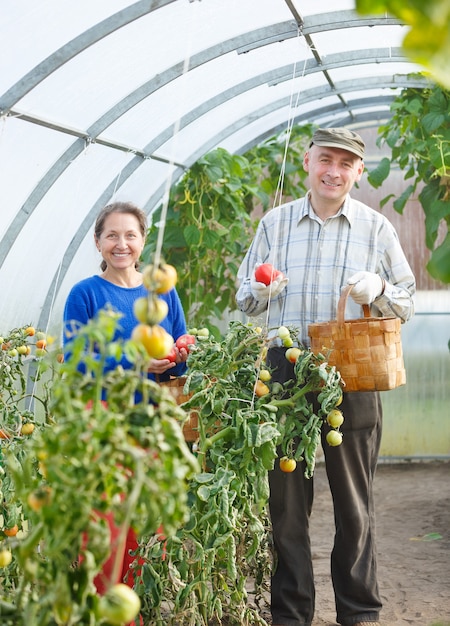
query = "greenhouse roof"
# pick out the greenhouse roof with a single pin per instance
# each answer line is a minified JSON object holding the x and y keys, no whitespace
{"x":115,"y":99}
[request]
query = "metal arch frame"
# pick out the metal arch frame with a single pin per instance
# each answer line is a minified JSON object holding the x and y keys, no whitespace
{"x":317,"y":93}
{"x":270,"y":78}
{"x":78,"y":146}
{"x":67,"y":52}
{"x":248,"y":41}
{"x":109,"y":25}
{"x":360,"y":103}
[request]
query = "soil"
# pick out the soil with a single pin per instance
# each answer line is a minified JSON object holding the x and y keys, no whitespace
{"x":413,"y":540}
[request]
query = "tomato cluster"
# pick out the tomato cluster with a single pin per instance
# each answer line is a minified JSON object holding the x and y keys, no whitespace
{"x":151,"y":310}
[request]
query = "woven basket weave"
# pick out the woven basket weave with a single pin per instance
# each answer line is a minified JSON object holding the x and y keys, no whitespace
{"x":367,"y":352}
{"x":175,"y":387}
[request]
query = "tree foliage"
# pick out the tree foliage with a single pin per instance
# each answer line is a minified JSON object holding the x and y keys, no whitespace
{"x":427,"y":41}
{"x":419,"y":136}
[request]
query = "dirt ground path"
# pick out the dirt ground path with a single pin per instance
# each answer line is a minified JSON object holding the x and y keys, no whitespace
{"x":413,"y":537}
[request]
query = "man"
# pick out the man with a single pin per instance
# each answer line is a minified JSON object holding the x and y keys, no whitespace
{"x":321,"y":243}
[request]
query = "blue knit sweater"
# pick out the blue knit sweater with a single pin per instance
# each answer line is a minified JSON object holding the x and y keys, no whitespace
{"x":87,"y":297}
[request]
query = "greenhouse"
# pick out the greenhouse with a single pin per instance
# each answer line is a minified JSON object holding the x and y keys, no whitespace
{"x":198,"y":112}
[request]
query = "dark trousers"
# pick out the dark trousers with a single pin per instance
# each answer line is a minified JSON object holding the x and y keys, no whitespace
{"x":350,"y":470}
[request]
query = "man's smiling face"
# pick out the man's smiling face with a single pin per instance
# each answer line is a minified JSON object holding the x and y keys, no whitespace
{"x":332,"y":173}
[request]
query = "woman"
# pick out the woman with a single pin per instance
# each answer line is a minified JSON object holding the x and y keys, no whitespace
{"x":119,"y":236}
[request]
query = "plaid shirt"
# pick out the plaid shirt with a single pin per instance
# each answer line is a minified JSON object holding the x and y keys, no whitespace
{"x":318,"y":258}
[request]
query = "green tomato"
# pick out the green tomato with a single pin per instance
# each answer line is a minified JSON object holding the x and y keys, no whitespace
{"x":283,"y":332}
{"x":335,"y":418}
{"x":334,"y":438}
{"x":120,"y":605}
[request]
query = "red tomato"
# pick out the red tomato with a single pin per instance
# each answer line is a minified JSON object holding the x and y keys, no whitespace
{"x":172,"y":356}
{"x":12,"y":531}
{"x":184,"y":341}
{"x":266,"y":273}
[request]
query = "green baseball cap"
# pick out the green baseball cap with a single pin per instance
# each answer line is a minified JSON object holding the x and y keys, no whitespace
{"x":339,"y":138}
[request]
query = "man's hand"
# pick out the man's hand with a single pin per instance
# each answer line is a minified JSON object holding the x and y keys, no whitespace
{"x":367,"y":287}
{"x":264,"y":292}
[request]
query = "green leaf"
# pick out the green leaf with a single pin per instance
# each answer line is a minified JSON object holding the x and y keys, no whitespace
{"x":377,"y":176}
{"x":203,"y":493}
{"x":399,"y":204}
{"x":192,"y":235}
{"x":432,"y":121}
{"x":439,"y":263}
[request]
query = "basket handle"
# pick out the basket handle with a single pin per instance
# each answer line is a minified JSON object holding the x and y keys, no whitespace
{"x":343,"y":302}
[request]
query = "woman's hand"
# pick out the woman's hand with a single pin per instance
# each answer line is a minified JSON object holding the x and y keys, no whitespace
{"x":159,"y":366}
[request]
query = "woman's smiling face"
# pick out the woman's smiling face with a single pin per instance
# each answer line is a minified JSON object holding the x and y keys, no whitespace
{"x":332,"y":173}
{"x":121,"y":241}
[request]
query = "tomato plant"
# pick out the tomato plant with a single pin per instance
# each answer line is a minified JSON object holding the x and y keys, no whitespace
{"x":126,"y":458}
{"x":226,"y":541}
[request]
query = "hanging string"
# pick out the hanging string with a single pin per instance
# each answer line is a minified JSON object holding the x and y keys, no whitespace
{"x":294,"y":96}
{"x":175,"y":135}
{"x":277,"y":201}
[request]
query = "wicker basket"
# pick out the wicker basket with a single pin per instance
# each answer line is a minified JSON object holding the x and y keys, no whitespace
{"x":367,"y":352}
{"x":175,"y":387}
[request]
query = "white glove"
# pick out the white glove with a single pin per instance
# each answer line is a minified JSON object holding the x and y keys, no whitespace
{"x":264,"y":292}
{"x":367,"y":287}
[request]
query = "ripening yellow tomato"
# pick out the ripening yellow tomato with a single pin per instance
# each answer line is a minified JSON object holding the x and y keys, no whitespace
{"x":292,"y":354}
{"x":261,"y":389}
{"x":150,"y":310}
{"x":287,"y":465}
{"x":5,"y":558}
{"x":27,"y":428}
{"x":159,"y":279}
{"x":39,"y":498}
{"x":264,"y":375}
{"x":155,"y":339}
